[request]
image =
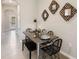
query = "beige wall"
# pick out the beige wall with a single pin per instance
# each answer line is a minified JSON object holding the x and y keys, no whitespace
{"x":28,"y":12}
{"x":66,"y":30}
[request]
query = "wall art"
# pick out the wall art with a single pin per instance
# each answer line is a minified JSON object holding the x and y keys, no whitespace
{"x":68,"y":11}
{"x":45,"y":15}
{"x":53,"y":7}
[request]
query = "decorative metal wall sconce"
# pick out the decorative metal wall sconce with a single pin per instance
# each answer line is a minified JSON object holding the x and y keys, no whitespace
{"x":45,"y":15}
{"x":53,"y":7}
{"x":68,"y":11}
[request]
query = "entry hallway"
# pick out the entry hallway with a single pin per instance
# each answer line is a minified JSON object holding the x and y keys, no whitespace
{"x":11,"y":47}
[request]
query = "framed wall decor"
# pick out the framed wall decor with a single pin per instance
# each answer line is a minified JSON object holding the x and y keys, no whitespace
{"x":45,"y":15}
{"x":53,"y":7}
{"x":68,"y":11}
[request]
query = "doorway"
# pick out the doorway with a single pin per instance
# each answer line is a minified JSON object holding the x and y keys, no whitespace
{"x":10,"y":18}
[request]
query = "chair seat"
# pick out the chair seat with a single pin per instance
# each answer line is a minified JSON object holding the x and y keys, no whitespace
{"x":30,"y":45}
{"x":50,"y":50}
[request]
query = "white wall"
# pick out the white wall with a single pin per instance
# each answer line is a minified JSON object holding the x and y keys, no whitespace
{"x":65,"y":30}
{"x":28,"y":12}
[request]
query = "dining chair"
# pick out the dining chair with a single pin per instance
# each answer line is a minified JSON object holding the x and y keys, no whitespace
{"x":28,"y":29}
{"x":31,"y":46}
{"x":53,"y":48}
{"x":51,"y":33}
{"x":44,"y":31}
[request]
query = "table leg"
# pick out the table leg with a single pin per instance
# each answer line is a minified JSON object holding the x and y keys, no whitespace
{"x":23,"y":45}
{"x":38,"y":49}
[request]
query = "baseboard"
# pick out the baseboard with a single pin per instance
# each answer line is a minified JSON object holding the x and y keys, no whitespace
{"x":67,"y":55}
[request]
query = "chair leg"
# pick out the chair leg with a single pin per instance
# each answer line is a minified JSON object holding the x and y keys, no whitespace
{"x":22,"y":45}
{"x":55,"y":56}
{"x":44,"y":56}
{"x":51,"y":57}
{"x":58,"y":56}
{"x":29,"y":54}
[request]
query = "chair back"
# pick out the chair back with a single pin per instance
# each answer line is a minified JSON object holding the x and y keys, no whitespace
{"x":51,"y":33}
{"x":44,"y":31}
{"x":28,"y":29}
{"x":56,"y":46}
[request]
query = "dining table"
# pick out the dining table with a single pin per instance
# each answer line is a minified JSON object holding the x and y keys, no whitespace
{"x":36,"y":40}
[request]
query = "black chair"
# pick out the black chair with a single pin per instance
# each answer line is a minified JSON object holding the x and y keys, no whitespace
{"x":54,"y":48}
{"x":51,"y":33}
{"x":31,"y":46}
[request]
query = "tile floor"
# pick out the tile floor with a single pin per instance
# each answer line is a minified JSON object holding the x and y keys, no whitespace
{"x":11,"y":47}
